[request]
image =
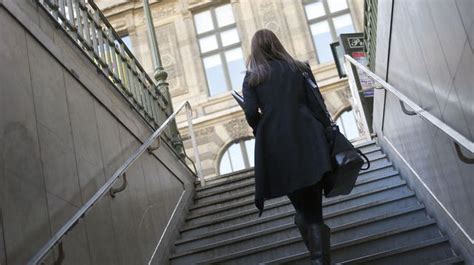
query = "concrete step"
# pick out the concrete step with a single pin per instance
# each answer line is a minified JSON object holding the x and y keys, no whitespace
{"x":374,"y":173}
{"x":224,"y":179}
{"x":242,"y":185}
{"x":457,"y":260}
{"x":208,"y":204}
{"x":341,"y":251}
{"x":339,"y":233}
{"x":378,"y":201}
{"x":358,"y":228}
{"x":243,"y":175}
{"x":246,"y":181}
{"x":361,"y":184}
{"x":367,"y":147}
{"x":424,"y":252}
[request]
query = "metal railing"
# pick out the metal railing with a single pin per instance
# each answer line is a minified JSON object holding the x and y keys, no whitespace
{"x":458,"y":138}
{"x":108,"y":186}
{"x":90,"y":30}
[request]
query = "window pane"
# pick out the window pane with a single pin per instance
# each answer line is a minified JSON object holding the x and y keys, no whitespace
{"x":208,"y":43}
{"x":229,"y":37}
{"x":343,"y":24}
{"x":350,"y":125}
{"x":203,"y":21}
{"x":250,"y":145}
{"x":214,"y":74}
{"x":322,"y":38}
{"x":236,"y":157}
{"x":336,"y":5}
{"x":224,"y":15}
{"x":236,"y":67}
{"x":127,"y":41}
{"x":225,"y":166}
{"x":314,"y":10}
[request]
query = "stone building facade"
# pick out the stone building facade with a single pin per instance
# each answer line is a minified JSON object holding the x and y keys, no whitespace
{"x":203,"y":47}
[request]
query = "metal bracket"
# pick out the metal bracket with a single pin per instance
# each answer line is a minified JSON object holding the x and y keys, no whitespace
{"x":153,"y":148}
{"x":114,"y":191}
{"x":461,"y":156}
{"x":61,"y":256}
{"x":405,"y":110}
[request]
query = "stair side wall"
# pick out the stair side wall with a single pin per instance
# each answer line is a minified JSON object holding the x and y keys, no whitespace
{"x":64,"y":130}
{"x":413,"y":55}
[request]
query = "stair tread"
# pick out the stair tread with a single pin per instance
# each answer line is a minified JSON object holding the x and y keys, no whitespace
{"x":386,"y":253}
{"x":247,"y":181}
{"x":235,"y":196}
{"x":450,"y":260}
{"x":351,"y":209}
{"x":191,"y":215}
{"x":333,"y":229}
{"x":329,"y":202}
{"x":224,"y":179}
{"x":398,"y":250}
{"x":333,"y":246}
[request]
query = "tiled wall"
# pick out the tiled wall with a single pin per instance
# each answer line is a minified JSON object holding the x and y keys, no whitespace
{"x":430,"y":60}
{"x":60,"y":140}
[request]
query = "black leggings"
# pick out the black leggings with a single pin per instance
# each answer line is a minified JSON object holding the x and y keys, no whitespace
{"x":308,"y":201}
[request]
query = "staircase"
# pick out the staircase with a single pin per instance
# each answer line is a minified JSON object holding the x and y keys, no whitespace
{"x":380,"y":222}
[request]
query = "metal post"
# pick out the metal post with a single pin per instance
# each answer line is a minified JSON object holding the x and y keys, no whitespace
{"x":357,"y":107}
{"x":195,"y":148}
{"x":159,"y":73}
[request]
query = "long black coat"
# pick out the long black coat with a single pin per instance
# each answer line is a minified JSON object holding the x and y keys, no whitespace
{"x":291,"y":149}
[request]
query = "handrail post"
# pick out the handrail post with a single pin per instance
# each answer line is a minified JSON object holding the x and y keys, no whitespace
{"x":358,"y":109}
{"x":189,"y":117}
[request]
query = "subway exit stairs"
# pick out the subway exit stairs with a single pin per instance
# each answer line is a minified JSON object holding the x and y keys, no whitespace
{"x":380,"y":222}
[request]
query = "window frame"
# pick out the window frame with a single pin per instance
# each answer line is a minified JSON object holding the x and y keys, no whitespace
{"x":243,"y":149}
{"x":328,"y":17}
{"x":220,"y":48}
{"x":339,"y":117}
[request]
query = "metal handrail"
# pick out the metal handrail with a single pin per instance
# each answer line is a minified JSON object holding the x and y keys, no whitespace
{"x":454,"y":134}
{"x":57,"y":237}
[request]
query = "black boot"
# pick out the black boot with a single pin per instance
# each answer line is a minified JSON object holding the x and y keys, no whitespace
{"x":300,"y":223}
{"x":319,"y":243}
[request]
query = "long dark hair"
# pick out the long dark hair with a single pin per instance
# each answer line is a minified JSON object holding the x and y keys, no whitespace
{"x":266,"y":46}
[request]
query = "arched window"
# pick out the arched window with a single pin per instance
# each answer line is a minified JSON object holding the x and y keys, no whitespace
{"x":239,"y":155}
{"x":348,"y":125}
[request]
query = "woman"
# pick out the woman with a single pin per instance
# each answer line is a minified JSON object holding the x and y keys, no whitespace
{"x":291,"y":147}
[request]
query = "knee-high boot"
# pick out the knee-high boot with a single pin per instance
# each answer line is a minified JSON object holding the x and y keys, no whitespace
{"x":319,"y":243}
{"x":300,"y":223}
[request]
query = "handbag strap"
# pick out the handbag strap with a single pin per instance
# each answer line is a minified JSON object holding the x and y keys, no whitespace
{"x":314,"y":86}
{"x":365,"y":157}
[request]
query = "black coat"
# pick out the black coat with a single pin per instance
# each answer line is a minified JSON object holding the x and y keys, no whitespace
{"x":291,"y":149}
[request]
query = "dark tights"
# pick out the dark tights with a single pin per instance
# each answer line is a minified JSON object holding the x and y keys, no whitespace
{"x":308,"y":201}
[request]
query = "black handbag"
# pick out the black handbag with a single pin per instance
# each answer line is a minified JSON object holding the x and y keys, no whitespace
{"x":347,"y":160}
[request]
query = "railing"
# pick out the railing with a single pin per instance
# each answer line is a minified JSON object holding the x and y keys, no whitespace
{"x":370,"y":31}
{"x":107,"y":187}
{"x":458,"y":138}
{"x":89,"y":29}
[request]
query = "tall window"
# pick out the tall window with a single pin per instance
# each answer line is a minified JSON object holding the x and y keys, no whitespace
{"x":238,"y":156}
{"x":348,"y":125}
{"x":327,"y":19}
{"x":221,"y":54}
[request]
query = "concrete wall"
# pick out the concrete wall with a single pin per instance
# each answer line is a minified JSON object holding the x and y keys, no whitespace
{"x":63,"y":131}
{"x":427,"y":53}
